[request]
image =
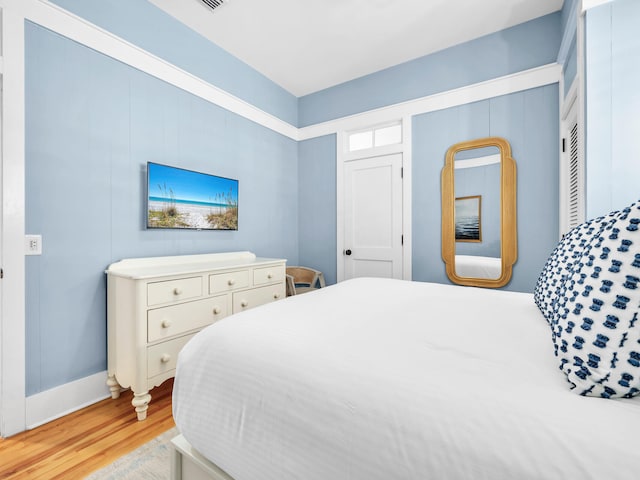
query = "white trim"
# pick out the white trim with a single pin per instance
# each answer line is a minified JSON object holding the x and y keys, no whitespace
{"x":342,"y":146}
{"x":57,"y":19}
{"x":580,"y":94}
{"x":532,"y":78}
{"x":588,"y":4}
{"x":569,"y":33}
{"x":371,"y":152}
{"x":71,"y":26}
{"x":569,"y":99}
{"x":343,"y":155}
{"x":477,"y":162}
{"x":571,"y":109}
{"x":407,"y":215}
{"x":64,"y":399}
{"x":12,"y":328}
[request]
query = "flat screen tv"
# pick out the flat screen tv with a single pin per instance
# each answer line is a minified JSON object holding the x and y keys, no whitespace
{"x":179,"y":198}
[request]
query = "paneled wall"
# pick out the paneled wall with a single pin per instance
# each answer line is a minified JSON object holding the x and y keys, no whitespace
{"x":317,"y":205}
{"x":143,"y":24}
{"x":92,"y":123}
{"x":612,"y":44}
{"x":528,"y":45}
{"x":529,"y":121}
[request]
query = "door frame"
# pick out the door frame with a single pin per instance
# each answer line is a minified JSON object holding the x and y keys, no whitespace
{"x":343,"y":155}
{"x":12,"y":222}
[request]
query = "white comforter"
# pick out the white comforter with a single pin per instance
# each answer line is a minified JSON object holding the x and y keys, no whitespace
{"x":388,"y":379}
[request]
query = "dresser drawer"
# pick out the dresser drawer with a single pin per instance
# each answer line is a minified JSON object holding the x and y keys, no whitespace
{"x":262,"y":276}
{"x":173,"y":290}
{"x":225,"y":282}
{"x":257,"y":296}
{"x":169,"y":321}
{"x":162,"y":358}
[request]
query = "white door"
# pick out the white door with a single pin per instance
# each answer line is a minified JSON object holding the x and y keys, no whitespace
{"x":572,"y":192}
{"x":373,"y":217}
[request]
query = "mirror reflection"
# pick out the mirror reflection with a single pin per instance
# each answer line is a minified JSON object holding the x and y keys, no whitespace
{"x":477,"y":213}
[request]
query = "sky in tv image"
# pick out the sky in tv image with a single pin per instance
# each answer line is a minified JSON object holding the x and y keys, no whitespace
{"x":181,"y":198}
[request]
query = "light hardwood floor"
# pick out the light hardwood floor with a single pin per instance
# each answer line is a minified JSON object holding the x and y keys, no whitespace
{"x":74,"y":446}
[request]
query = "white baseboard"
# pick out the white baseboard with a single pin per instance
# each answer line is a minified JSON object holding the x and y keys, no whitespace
{"x":46,"y":406}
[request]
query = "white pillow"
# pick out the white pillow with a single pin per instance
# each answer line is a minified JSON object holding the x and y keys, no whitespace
{"x":596,"y":322}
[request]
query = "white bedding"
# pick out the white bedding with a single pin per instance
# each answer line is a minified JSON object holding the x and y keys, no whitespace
{"x":389,"y":379}
{"x":472,"y":266}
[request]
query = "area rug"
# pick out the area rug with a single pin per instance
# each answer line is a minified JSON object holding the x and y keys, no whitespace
{"x":150,"y":461}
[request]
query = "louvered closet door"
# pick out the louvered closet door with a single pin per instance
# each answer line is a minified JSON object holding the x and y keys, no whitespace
{"x":574,"y":193}
{"x":571,"y":171}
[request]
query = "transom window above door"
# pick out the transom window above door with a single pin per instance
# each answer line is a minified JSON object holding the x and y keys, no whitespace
{"x":375,"y":137}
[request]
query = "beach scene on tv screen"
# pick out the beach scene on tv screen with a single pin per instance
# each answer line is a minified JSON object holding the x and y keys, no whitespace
{"x":186,"y":199}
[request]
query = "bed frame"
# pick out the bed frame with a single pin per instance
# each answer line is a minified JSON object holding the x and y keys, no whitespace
{"x":188,"y":464}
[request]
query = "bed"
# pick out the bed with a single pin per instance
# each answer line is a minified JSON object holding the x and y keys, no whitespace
{"x":475,"y":266}
{"x":391,"y":379}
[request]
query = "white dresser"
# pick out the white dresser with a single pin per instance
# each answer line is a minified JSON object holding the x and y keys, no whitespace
{"x":155,"y":305}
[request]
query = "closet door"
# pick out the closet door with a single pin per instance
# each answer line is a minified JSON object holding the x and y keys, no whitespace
{"x":572,"y":192}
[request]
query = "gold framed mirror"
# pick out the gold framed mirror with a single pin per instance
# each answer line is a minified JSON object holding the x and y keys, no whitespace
{"x":479,"y":227}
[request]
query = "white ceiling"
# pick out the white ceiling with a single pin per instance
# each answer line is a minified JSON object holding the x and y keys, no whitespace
{"x":308,"y":45}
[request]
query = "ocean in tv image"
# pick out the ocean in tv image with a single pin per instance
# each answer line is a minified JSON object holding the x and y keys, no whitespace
{"x":179,"y":198}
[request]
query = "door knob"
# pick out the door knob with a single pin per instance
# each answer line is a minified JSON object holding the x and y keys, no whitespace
{"x":347,"y":252}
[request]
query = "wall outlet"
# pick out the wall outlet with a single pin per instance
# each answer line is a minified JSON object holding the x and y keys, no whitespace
{"x":33,"y":244}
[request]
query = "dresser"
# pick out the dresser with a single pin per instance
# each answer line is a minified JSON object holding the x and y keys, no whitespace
{"x":156,"y":305}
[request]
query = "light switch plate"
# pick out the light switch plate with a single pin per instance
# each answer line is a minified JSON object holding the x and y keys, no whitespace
{"x":33,"y":244}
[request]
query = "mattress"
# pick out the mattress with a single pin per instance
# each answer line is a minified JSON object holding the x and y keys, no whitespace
{"x":391,"y":379}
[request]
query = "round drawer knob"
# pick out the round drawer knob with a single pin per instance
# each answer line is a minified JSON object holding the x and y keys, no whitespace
{"x":216,"y":310}
{"x":231,"y":282}
{"x":276,"y":295}
{"x":244,"y":303}
{"x":177,"y":291}
{"x":270,"y":276}
{"x":165,"y":358}
{"x":166,"y":323}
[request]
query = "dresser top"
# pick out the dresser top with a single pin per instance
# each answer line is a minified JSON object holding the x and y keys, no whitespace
{"x":149,"y":267}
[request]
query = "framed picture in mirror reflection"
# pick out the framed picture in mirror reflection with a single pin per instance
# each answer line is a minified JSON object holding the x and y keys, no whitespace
{"x":468,"y":218}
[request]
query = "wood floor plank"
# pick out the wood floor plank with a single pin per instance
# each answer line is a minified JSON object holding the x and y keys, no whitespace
{"x":74,"y":446}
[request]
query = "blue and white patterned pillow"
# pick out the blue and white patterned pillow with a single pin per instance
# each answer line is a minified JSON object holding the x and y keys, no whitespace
{"x":560,"y":264}
{"x":596,"y":323}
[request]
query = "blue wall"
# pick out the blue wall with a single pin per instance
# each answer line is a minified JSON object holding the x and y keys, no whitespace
{"x":515,"y":49}
{"x":613,"y":102}
{"x":143,"y":24}
{"x":92,"y":123}
{"x":529,"y":121}
{"x":317,"y":205}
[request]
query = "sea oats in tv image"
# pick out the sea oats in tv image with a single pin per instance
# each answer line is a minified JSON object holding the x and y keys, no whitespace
{"x":179,"y":198}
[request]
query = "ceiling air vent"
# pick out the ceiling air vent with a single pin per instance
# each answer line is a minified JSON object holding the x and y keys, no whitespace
{"x":213,"y":4}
